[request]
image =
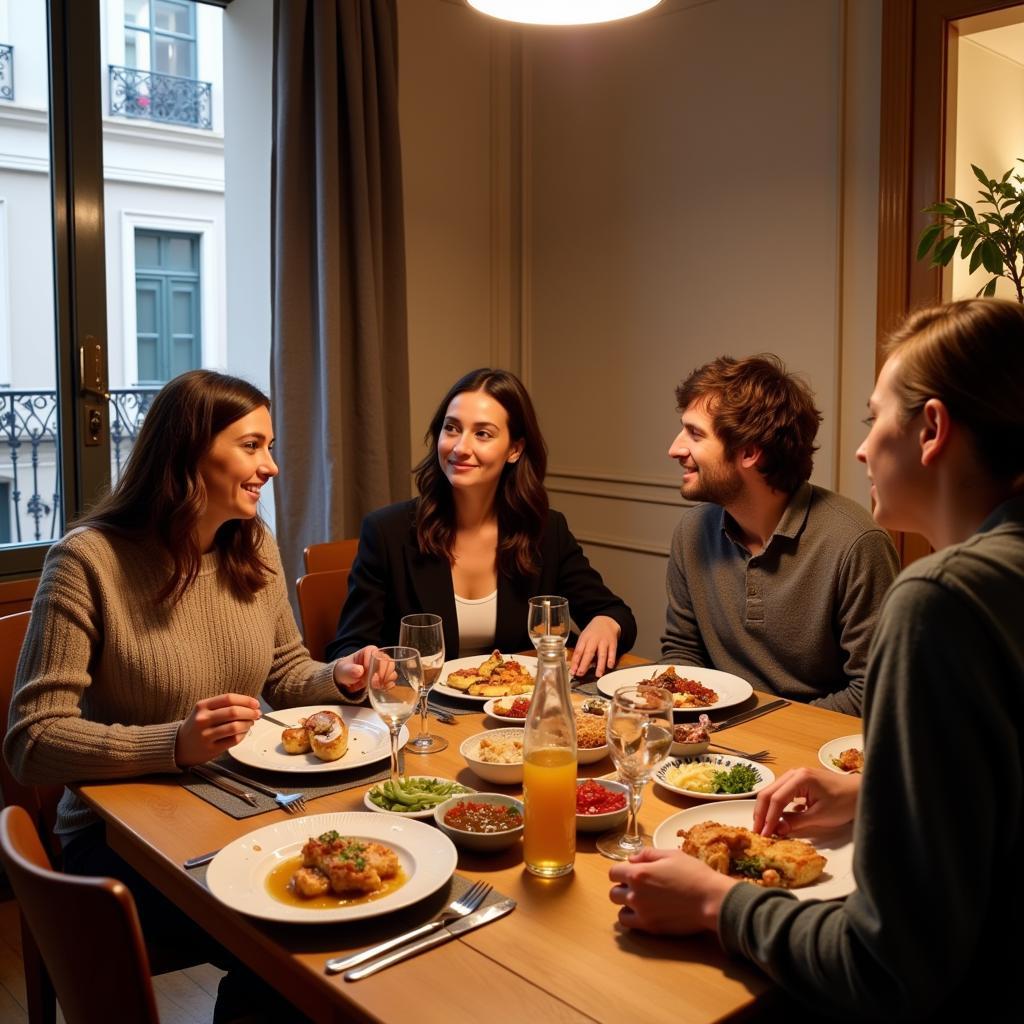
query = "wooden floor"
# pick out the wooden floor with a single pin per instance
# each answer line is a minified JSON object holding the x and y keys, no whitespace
{"x":184,"y":997}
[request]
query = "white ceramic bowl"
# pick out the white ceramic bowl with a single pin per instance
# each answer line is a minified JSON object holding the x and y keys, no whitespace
{"x":591,"y":755}
{"x":481,"y":842}
{"x":608,"y":820}
{"x":688,"y":749}
{"x":500,"y":774}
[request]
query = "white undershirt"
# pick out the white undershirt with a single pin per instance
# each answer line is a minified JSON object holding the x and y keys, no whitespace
{"x":478,"y":622}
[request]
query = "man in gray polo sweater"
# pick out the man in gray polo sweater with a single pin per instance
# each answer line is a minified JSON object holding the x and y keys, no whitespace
{"x":770,"y":578}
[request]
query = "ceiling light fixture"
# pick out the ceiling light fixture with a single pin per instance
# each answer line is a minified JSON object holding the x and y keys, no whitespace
{"x":562,"y":12}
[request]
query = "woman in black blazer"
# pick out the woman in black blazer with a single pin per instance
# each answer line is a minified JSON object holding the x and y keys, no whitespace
{"x":480,"y":540}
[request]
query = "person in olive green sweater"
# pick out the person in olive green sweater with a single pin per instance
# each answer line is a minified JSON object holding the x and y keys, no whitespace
{"x":938,"y":811}
{"x":157,"y":623}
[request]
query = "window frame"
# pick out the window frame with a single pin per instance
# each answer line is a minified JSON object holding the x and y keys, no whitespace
{"x":152,"y":31}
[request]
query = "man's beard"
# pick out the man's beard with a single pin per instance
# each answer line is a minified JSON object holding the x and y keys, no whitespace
{"x":720,"y":485}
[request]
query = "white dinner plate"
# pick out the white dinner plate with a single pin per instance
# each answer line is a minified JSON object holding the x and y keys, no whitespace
{"x":368,"y":741}
{"x":723,"y":761}
{"x":491,"y":708}
{"x":835,"y":845}
{"x":528,"y":661}
{"x":835,"y":747}
{"x":424,"y":814}
{"x":730,"y":689}
{"x":237,"y":876}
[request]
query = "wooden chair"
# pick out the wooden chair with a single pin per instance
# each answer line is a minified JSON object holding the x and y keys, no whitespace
{"x":321,"y":595}
{"x":331,"y":554}
{"x":87,"y":930}
{"x":39,"y":801}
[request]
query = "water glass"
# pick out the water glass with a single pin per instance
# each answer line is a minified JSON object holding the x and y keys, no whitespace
{"x":395,"y":681}
{"x":425,"y":633}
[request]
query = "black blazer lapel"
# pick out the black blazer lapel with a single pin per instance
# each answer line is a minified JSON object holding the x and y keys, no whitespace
{"x":513,"y":605}
{"x":432,"y":580}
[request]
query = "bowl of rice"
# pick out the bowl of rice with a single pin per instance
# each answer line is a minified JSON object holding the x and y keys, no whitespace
{"x":591,"y":738}
{"x":496,"y":755}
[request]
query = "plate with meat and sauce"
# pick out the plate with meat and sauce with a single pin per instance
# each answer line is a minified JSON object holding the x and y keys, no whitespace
{"x":253,"y":874}
{"x":368,"y":741}
{"x":694,"y":688}
{"x":844,"y":756}
{"x":481,"y":678}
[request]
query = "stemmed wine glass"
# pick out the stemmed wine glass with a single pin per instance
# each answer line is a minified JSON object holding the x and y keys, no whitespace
{"x":424,"y":633}
{"x":396,"y":677}
{"x":548,"y":616}
{"x":639,"y":736}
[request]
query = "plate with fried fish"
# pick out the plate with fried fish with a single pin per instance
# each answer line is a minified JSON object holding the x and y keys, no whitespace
{"x":483,"y":677}
{"x":817,"y":866}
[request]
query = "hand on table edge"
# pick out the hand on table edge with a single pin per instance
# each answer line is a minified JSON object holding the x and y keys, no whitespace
{"x":214,"y":724}
{"x":828,"y":800}
{"x":598,"y":643}
{"x":668,"y":892}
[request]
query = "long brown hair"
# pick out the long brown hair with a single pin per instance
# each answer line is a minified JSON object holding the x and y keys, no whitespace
{"x":161,"y":494}
{"x":756,"y":402}
{"x":521,"y":502}
{"x":970,"y":354}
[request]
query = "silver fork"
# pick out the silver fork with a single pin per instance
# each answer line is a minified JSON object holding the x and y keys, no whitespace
{"x":759,"y":755}
{"x":293,"y":803}
{"x":465,"y":904}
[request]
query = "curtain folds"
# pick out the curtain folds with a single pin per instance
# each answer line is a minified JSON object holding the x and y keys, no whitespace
{"x":339,"y":360}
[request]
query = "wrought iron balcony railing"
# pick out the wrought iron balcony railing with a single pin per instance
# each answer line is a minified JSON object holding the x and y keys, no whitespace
{"x":156,"y":97}
{"x":28,"y":427}
{"x":6,"y":71}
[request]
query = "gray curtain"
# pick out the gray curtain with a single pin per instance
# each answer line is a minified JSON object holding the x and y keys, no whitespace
{"x":339,"y":361}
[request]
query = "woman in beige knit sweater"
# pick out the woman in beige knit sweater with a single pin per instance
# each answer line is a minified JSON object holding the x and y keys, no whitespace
{"x":162,"y":616}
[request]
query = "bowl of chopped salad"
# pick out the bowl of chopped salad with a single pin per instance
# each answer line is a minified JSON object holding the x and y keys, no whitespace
{"x":713,"y":776}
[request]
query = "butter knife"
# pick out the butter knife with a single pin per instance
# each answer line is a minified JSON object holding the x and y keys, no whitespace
{"x":442,"y":935}
{"x":749,"y":716}
{"x":229,"y":787}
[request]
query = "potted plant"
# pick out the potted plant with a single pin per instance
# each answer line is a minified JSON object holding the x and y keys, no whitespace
{"x":992,"y":238}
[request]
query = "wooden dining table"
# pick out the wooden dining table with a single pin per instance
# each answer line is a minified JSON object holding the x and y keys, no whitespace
{"x":559,"y":956}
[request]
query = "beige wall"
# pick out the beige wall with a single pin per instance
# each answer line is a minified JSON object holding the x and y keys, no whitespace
{"x":691,"y":183}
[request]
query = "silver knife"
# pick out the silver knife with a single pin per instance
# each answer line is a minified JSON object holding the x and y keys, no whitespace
{"x":229,"y":787}
{"x":448,"y":932}
{"x":749,"y":716}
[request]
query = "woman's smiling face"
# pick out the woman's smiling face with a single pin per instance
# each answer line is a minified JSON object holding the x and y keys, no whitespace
{"x":474,"y":444}
{"x":237,"y":465}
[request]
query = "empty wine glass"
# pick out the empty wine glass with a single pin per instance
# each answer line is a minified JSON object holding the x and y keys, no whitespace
{"x":548,"y":616}
{"x":639,"y":736}
{"x":424,"y":632}
{"x":395,"y":680}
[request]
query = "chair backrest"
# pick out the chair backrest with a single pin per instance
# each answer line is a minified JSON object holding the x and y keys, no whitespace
{"x":87,"y":931}
{"x":321,"y":595}
{"x":39,"y":801}
{"x":331,"y":554}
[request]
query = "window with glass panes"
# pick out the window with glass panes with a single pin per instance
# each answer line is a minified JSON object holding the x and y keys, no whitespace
{"x":160,"y":35}
{"x":167,"y":305}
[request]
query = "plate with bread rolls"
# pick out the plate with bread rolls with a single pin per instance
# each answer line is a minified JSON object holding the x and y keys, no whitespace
{"x":321,"y":738}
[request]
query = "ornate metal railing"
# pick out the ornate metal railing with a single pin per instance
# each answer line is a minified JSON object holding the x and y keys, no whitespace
{"x":6,"y":71}
{"x":157,"y":97}
{"x":28,"y":429}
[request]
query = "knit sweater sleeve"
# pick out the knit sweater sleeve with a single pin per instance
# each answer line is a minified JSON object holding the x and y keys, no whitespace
{"x":48,"y":740}
{"x":295,"y":679}
{"x":681,"y":643}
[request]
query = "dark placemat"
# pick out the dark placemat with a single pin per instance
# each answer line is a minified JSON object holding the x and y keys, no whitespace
{"x":282,"y":782}
{"x":455,"y":706}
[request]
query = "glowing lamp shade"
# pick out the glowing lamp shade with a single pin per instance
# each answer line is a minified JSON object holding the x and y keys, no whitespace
{"x":562,"y":12}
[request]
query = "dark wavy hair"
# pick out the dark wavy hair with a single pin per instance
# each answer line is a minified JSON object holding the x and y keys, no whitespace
{"x":161,"y":494}
{"x":755,"y":402}
{"x":970,"y":354}
{"x":521,"y":502}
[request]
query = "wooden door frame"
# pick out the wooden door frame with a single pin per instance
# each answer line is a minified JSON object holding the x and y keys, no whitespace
{"x":916,"y":57}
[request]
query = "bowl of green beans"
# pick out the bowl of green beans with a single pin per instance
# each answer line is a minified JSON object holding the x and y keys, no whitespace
{"x":414,"y":796}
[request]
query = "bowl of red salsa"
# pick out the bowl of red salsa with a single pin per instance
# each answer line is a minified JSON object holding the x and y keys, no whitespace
{"x":600,"y":805}
{"x":485,"y":822}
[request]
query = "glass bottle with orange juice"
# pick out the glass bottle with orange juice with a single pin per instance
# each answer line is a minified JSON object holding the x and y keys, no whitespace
{"x":549,"y":767}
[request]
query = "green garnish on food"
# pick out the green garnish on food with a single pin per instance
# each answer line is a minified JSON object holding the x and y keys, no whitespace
{"x":750,"y":866}
{"x":740,"y":778}
{"x":414,"y":794}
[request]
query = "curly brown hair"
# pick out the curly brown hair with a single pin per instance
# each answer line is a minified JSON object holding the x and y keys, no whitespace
{"x":521,"y":502}
{"x":161,"y":494}
{"x":755,"y":403}
{"x":969,"y":354}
